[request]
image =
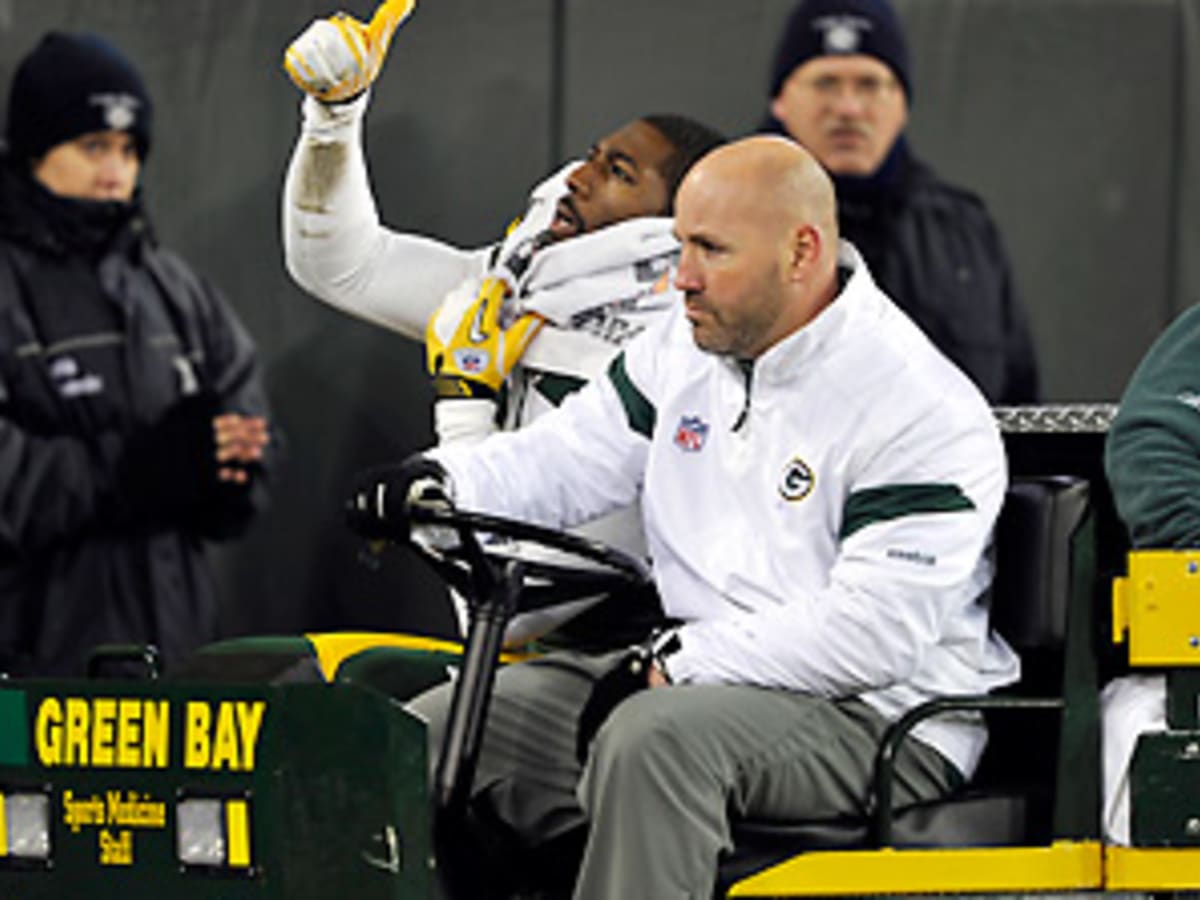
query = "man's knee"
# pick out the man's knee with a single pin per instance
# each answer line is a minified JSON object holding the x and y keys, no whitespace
{"x":642,"y":737}
{"x":646,"y":768}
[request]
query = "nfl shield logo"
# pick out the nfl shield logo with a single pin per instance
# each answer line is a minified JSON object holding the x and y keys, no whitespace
{"x":690,"y":433}
{"x":470,"y":361}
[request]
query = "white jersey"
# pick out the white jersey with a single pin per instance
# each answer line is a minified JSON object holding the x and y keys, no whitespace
{"x":597,"y":290}
{"x":821,"y":522}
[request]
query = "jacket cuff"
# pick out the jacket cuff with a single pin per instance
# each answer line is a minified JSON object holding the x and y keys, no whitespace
{"x":678,"y":657}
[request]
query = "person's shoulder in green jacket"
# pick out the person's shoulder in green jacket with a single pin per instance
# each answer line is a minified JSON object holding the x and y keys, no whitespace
{"x":1152,"y":457}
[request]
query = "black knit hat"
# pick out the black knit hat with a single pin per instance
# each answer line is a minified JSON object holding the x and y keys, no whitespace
{"x":841,"y":28}
{"x":71,"y":85}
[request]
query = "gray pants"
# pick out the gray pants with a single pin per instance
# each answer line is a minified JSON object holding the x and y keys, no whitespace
{"x":669,"y":768}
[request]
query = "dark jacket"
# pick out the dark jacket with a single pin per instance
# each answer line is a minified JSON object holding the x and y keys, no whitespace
{"x":114,"y":356}
{"x":934,"y":249}
{"x":1152,"y":456}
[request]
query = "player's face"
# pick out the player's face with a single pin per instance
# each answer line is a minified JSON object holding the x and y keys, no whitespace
{"x":846,"y":110}
{"x":102,"y":165}
{"x":732,"y":268}
{"x":621,"y":179}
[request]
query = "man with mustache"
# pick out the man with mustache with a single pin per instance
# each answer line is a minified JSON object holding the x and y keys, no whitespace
{"x":819,"y":486}
{"x":519,"y":324}
{"x":840,"y":86}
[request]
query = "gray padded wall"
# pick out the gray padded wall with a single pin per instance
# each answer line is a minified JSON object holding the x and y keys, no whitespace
{"x":1068,"y":116}
{"x":1187,"y":230}
{"x":1064,"y":115}
{"x":702,"y":58}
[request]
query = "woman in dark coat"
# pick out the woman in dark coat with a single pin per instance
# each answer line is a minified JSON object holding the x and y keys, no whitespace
{"x":133,"y":424}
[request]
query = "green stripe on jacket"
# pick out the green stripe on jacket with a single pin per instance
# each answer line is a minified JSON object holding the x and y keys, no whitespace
{"x":639,"y":411}
{"x":883,"y":504}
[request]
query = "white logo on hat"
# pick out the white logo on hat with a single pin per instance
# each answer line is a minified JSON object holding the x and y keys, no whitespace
{"x":843,"y":34}
{"x":119,"y":110}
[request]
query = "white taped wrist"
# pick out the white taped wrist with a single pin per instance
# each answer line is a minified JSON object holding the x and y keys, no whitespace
{"x":463,"y":421}
{"x":333,"y":121}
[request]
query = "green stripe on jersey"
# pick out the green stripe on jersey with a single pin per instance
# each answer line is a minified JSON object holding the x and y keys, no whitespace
{"x":883,"y":504}
{"x":556,"y":388}
{"x":639,"y":411}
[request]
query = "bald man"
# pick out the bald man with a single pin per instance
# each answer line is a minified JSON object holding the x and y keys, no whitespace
{"x":819,"y":486}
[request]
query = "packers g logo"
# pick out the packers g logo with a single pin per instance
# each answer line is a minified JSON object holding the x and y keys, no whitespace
{"x":797,"y":481}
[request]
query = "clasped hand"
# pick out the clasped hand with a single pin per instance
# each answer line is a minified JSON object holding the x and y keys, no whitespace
{"x":240,"y":441}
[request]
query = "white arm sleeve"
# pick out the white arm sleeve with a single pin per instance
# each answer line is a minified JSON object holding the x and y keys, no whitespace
{"x":573,"y":464}
{"x":334,"y":244}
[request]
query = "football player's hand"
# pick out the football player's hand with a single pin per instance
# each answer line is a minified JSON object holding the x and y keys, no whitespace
{"x":337,"y":58}
{"x":468,"y":350}
{"x":382,"y":498}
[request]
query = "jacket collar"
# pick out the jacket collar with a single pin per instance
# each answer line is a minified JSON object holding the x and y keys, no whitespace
{"x":855,"y":299}
{"x":60,"y":226}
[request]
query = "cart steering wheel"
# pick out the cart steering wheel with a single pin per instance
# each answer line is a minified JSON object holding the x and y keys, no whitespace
{"x":471,"y":550}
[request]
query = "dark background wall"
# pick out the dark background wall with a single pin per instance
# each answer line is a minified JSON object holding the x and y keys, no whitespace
{"x":1074,"y":119}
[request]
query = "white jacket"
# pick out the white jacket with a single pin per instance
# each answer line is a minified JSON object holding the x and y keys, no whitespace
{"x":822,"y":526}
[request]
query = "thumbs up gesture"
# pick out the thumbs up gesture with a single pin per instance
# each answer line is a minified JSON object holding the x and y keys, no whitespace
{"x":337,"y":58}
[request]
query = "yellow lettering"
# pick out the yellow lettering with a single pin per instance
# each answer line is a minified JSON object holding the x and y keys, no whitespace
{"x":250,"y":719}
{"x":78,"y":813}
{"x":78,"y":717}
{"x":48,"y":732}
{"x":129,"y":734}
{"x":134,"y":810}
{"x":116,"y":850}
{"x":156,"y":720}
{"x":196,"y":740}
{"x":225,"y":743}
{"x":126,"y":732}
{"x":68,"y":802}
{"x":104,"y":714}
